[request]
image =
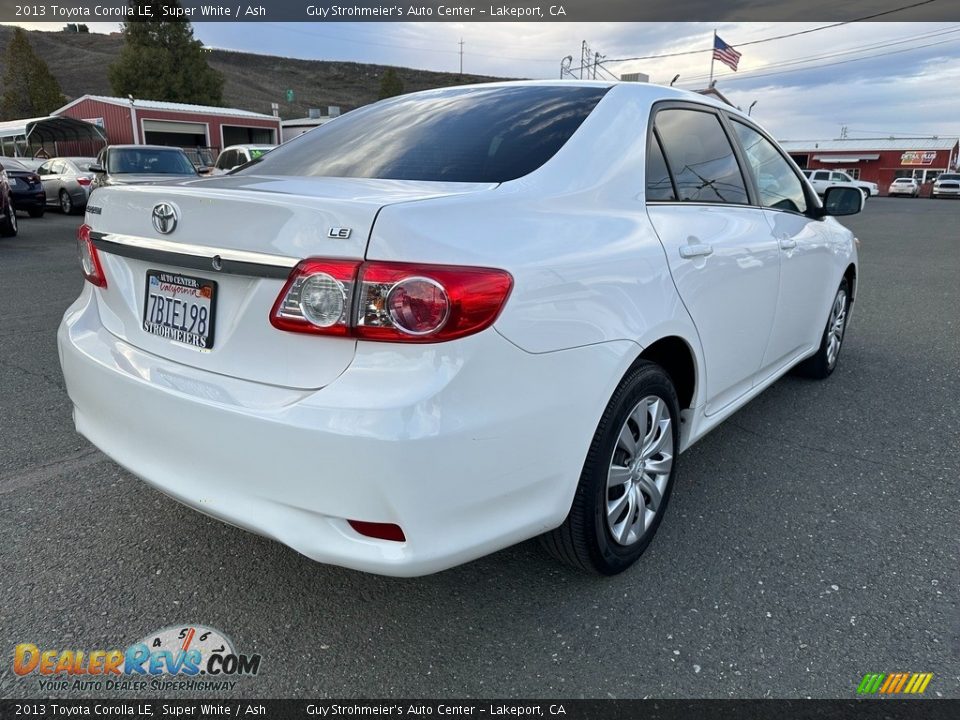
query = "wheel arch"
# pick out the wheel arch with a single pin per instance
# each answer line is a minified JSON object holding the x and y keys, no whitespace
{"x":677,"y":358}
{"x":851,"y":275}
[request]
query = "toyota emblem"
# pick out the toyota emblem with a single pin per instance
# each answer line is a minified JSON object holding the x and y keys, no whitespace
{"x":165,"y":218}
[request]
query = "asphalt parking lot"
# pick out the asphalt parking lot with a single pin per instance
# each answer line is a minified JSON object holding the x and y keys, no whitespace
{"x":811,"y":539}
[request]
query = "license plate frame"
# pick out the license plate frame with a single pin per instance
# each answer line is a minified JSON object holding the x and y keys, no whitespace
{"x":176,"y":289}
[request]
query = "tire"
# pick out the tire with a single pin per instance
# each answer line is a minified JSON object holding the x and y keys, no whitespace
{"x":66,"y":203}
{"x":822,"y":364}
{"x":36,"y":212}
{"x":8,"y":223}
{"x":610,"y":524}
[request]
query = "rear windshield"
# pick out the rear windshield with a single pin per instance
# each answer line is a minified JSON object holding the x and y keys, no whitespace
{"x":460,"y":135}
{"x":121,"y":161}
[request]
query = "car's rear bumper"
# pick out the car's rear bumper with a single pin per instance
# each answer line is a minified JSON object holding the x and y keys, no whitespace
{"x":29,"y":201}
{"x":468,"y":446}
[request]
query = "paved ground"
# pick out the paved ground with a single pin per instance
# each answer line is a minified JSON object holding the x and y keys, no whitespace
{"x":811,"y":539}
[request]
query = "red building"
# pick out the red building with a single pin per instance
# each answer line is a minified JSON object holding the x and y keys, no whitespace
{"x":879,"y":161}
{"x":151,"y":122}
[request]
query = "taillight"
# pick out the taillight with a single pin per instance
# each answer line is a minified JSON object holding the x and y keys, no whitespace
{"x":83,"y":180}
{"x":390,"y":302}
{"x":317,"y":298}
{"x":89,"y":259}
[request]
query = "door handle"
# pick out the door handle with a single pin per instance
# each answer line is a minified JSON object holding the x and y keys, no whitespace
{"x":787,"y":243}
{"x":698,"y":250}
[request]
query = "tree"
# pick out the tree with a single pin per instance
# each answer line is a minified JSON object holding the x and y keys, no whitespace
{"x":161,"y":60}
{"x":30,"y":89}
{"x":390,"y":84}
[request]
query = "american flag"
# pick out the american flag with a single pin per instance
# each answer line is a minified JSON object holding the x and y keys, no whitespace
{"x":724,"y":53}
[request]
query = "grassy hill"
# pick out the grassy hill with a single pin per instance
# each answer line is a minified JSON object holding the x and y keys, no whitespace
{"x":80,"y":62}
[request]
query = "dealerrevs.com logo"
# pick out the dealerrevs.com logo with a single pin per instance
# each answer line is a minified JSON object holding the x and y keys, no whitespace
{"x":180,"y":657}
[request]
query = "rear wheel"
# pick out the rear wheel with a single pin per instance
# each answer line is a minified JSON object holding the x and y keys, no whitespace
{"x":823,"y":363}
{"x":66,"y":203}
{"x":8,"y":223}
{"x":627,"y":478}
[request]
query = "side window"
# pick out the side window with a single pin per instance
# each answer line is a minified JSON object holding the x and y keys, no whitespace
{"x":821,"y":175}
{"x":779,"y":186}
{"x":700,"y":157}
{"x":839,"y":177}
{"x":58,"y":167}
{"x":659,"y":184}
{"x":45,"y":168}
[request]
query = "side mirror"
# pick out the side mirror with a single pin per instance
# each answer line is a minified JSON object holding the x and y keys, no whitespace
{"x":840,"y":201}
{"x":205,"y":170}
{"x":98,"y":169}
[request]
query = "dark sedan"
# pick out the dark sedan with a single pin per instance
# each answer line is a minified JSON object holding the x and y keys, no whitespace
{"x":25,"y":188}
{"x":8,"y":216}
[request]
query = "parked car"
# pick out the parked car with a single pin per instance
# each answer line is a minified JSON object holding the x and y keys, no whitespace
{"x":67,"y":182}
{"x":237,"y":155}
{"x":138,"y":164}
{"x":457,"y":319}
{"x":8,"y":215}
{"x":904,"y":186}
{"x":946,"y":185}
{"x":823,"y":179}
{"x":25,"y":188}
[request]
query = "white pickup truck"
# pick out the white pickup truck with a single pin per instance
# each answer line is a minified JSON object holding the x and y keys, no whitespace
{"x":823,"y":179}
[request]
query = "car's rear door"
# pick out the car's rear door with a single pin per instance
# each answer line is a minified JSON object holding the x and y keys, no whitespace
{"x":723,"y":259}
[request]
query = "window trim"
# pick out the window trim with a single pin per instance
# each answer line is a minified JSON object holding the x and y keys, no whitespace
{"x":812,"y":200}
{"x":655,"y":109}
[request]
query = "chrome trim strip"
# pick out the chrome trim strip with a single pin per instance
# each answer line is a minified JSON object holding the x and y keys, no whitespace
{"x":195,"y":257}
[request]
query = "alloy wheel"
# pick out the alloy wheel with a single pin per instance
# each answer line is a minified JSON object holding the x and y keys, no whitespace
{"x":836,"y":325}
{"x":66,"y":204}
{"x":639,"y":470}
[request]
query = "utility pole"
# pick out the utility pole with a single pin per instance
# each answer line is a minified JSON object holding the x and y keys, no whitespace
{"x":584,"y":56}
{"x":461,"y":56}
{"x":712,"y":53}
{"x":596,"y":61}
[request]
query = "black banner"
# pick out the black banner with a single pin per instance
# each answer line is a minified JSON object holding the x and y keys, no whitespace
{"x":491,"y":709}
{"x":85,"y":11}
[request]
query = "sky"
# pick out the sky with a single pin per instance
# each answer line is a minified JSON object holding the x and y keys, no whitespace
{"x":877,"y":79}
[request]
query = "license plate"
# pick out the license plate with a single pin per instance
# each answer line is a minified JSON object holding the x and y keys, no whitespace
{"x":180,"y":308}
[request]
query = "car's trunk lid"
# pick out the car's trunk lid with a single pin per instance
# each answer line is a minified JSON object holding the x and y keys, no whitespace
{"x":254,"y":229}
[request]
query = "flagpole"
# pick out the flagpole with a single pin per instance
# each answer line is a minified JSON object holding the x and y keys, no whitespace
{"x":712,"y":54}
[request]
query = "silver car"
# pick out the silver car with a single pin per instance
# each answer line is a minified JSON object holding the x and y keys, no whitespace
{"x":67,"y":182}
{"x":946,"y":185}
{"x":138,"y":164}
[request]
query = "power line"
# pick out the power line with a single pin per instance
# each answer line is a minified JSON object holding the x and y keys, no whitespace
{"x":751,"y":76}
{"x":823,"y":56}
{"x":777,"y":37}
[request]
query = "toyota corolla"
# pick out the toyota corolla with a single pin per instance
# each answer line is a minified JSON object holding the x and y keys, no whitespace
{"x":454,"y":320}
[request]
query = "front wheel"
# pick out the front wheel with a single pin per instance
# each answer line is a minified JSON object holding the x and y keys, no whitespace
{"x":823,"y":363}
{"x":627,"y":478}
{"x":8,"y":223}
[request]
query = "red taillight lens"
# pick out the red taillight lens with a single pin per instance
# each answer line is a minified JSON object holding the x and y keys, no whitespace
{"x":380,"y":531}
{"x":89,"y":259}
{"x":84,"y":180}
{"x":317,"y":298}
{"x":390,"y":302}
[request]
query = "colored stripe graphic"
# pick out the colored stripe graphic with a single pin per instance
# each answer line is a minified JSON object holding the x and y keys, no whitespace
{"x":894,"y":684}
{"x":870,"y":683}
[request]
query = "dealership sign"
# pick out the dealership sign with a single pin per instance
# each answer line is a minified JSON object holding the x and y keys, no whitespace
{"x":918,"y":157}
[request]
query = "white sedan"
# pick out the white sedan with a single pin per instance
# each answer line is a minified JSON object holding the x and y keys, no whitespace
{"x":457,"y":319}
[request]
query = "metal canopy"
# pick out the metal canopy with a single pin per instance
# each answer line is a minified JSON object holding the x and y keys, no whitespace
{"x":56,"y":128}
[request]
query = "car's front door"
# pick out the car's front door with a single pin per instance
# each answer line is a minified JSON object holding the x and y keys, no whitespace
{"x":807,"y":269}
{"x":724,"y":261}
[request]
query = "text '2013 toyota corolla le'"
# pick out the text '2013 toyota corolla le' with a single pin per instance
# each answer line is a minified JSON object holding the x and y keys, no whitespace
{"x":457,"y":319}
